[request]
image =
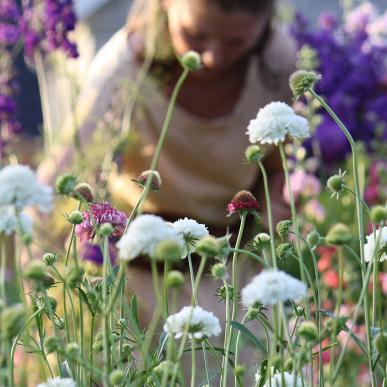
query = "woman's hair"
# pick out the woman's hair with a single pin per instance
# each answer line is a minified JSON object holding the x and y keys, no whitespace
{"x":147,"y":23}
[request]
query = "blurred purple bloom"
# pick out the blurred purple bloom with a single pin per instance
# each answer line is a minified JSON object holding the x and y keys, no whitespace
{"x":354,"y":71}
{"x":91,"y":252}
{"x":98,"y":214}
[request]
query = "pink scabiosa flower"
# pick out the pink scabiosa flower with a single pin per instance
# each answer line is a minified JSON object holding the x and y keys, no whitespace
{"x":99,"y":214}
{"x":302,"y":184}
{"x":243,"y":201}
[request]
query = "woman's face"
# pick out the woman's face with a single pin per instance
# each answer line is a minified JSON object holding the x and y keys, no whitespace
{"x":222,"y":38}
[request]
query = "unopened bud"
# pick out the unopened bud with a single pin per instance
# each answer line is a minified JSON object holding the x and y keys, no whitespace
{"x":49,"y":259}
{"x":339,"y":234}
{"x":65,"y":184}
{"x":378,"y":214}
{"x":116,"y":377}
{"x":283,"y":229}
{"x":301,"y":81}
{"x":175,"y":279}
{"x":76,"y":217}
{"x":208,"y":246}
{"x":155,"y":180}
{"x":219,"y":271}
{"x":191,"y":60}
{"x":254,"y":153}
{"x":106,"y":229}
{"x":35,"y":271}
{"x":168,"y":250}
{"x":83,"y":191}
{"x":308,"y":331}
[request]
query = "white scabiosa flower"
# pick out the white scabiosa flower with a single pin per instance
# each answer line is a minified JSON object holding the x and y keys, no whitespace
{"x":20,"y":187}
{"x":58,"y":382}
{"x":191,"y":231}
{"x":276,"y":380}
{"x":143,"y":235}
{"x":272,"y":286}
{"x":376,"y":242}
{"x":198,"y":323}
{"x":9,"y":221}
{"x":274,"y":122}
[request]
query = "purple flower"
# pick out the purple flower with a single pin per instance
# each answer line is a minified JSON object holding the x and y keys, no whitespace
{"x":354,"y":77}
{"x":91,"y":252}
{"x":98,"y":214}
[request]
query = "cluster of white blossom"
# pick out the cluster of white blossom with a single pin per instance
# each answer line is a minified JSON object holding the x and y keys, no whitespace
{"x":376,"y":245}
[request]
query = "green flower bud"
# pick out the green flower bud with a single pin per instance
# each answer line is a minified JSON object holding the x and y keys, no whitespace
{"x":254,"y":153}
{"x":60,"y":323}
{"x":191,"y":60}
{"x":338,"y":235}
{"x":35,"y":271}
{"x":252,"y":313}
{"x":27,"y":239}
{"x":75,"y":276}
{"x":378,"y":214}
{"x":380,"y":344}
{"x":283,"y":229}
{"x":299,"y":311}
{"x":284,"y":251}
{"x":116,"y":377}
{"x":240,"y":370}
{"x":12,"y":320}
{"x":308,"y":331}
{"x":313,"y":238}
{"x":65,"y":184}
{"x":168,"y":250}
{"x":72,"y":350}
{"x":175,"y":279}
{"x":51,"y":344}
{"x":336,"y":184}
{"x":277,"y":362}
{"x":334,"y":325}
{"x":106,"y":229}
{"x":219,"y":271}
{"x":262,"y":240}
{"x":76,"y":217}
{"x":208,"y":246}
{"x":289,"y":365}
{"x":301,"y":81}
{"x":155,"y":180}
{"x":53,"y":303}
{"x":83,"y":191}
{"x":49,"y":259}
{"x":164,"y":367}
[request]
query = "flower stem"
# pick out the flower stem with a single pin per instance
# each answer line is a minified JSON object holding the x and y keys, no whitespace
{"x":193,"y":363}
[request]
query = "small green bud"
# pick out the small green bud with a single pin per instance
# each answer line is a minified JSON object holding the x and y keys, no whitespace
{"x":301,"y":81}
{"x":27,"y":239}
{"x":51,"y":344}
{"x":299,"y":311}
{"x":289,"y":365}
{"x":254,"y":153}
{"x":72,"y":350}
{"x":35,"y":271}
{"x":12,"y":320}
{"x":75,"y":276}
{"x":339,"y":234}
{"x":208,"y":246}
{"x":65,"y":184}
{"x":284,"y":251}
{"x":336,"y":184}
{"x":168,"y":250}
{"x":116,"y":377}
{"x":191,"y":60}
{"x":175,"y":279}
{"x":252,"y":313}
{"x":165,"y":366}
{"x":380,"y":344}
{"x":277,"y":362}
{"x":219,"y":271}
{"x":334,"y":325}
{"x":378,"y":214}
{"x":60,"y":323}
{"x":106,"y":229}
{"x":76,"y":217}
{"x":49,"y":259}
{"x":240,"y":370}
{"x":313,"y":238}
{"x":262,"y":240}
{"x":53,"y":303}
{"x":308,"y":331}
{"x":83,"y":191}
{"x":155,"y":180}
{"x":283,"y":229}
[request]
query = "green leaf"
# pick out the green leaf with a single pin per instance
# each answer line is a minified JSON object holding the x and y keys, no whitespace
{"x":247,"y":333}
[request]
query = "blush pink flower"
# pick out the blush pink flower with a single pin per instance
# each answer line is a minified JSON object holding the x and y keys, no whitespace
{"x":98,"y":214}
{"x":302,"y":184}
{"x":331,"y":279}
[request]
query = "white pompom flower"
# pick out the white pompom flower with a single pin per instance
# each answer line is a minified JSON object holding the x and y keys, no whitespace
{"x":274,"y":122}
{"x":9,"y":221}
{"x":191,"y":231}
{"x":58,"y":382}
{"x":376,"y":245}
{"x":143,"y":235}
{"x":196,"y":321}
{"x":271,"y":286}
{"x":290,"y":380}
{"x":20,"y":187}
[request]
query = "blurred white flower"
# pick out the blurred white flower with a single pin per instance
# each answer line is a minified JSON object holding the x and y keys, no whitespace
{"x":276,"y":380}
{"x":9,"y":222}
{"x":199,"y":323}
{"x":371,"y":245}
{"x":272,"y":286}
{"x":20,"y":187}
{"x":143,"y":235}
{"x":274,"y":122}
{"x":58,"y":382}
{"x":191,"y":231}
